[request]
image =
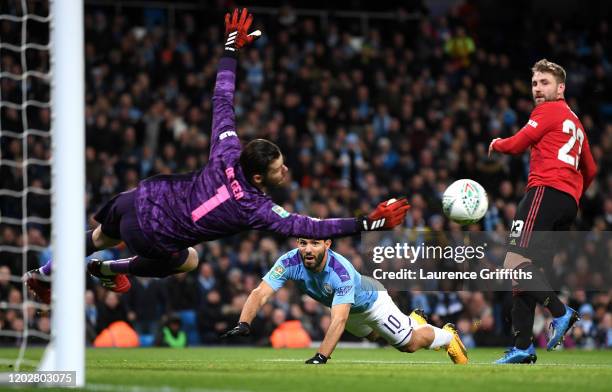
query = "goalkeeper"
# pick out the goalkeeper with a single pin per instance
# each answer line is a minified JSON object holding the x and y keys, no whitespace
{"x":166,"y":215}
{"x":358,"y":304}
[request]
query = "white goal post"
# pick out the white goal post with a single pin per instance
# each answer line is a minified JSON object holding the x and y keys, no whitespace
{"x":67,"y":347}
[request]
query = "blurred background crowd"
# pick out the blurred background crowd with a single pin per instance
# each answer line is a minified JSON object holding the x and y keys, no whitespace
{"x":364,"y":106}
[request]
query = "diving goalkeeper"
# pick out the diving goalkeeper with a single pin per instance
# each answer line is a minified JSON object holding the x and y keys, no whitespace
{"x":166,"y":215}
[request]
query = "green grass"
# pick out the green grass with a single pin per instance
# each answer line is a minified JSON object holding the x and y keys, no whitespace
{"x":253,"y":369}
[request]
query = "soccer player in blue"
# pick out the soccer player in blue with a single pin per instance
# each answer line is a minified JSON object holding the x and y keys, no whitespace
{"x":358,"y":304}
{"x":166,"y":215}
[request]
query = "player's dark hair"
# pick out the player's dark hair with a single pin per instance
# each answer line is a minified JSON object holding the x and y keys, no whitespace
{"x":546,"y":66}
{"x":257,"y":156}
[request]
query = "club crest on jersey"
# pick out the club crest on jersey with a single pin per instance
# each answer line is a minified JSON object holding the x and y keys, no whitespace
{"x":327,"y":288}
{"x":532,"y":123}
{"x":280,"y":211}
{"x":277,"y":272}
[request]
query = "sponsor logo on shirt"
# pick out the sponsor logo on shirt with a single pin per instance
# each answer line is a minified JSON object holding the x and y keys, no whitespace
{"x":227,"y":134}
{"x":277,"y":272}
{"x":532,"y":123}
{"x":280,"y":211}
{"x":340,"y":291}
{"x":327,"y":288}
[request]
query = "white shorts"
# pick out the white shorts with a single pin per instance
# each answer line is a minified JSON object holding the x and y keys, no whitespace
{"x":385,"y":318}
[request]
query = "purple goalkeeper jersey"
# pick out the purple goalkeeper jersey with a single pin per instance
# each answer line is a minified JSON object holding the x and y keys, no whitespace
{"x":178,"y":211}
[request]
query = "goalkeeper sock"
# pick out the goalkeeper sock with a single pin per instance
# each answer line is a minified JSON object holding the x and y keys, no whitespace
{"x":538,"y":288}
{"x":89,"y":249}
{"x":146,"y":267}
{"x":442,"y":338}
{"x":112,"y":267}
{"x":523,"y":313}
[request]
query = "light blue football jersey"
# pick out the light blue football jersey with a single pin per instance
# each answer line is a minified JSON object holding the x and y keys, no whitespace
{"x":337,"y":283}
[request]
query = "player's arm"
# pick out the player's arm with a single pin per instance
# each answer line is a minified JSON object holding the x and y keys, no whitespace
{"x":588,"y":168}
{"x":339,"y":316}
{"x":255,"y":301}
{"x":274,"y":280}
{"x":344,"y":298}
{"x":529,"y":135}
{"x":223,"y":120}
{"x":272,"y":217}
{"x":514,"y":145}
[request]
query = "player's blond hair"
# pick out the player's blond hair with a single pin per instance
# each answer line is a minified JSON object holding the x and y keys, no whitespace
{"x":552,"y":68}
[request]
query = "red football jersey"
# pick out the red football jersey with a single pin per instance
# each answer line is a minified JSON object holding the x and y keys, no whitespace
{"x":560,"y":153}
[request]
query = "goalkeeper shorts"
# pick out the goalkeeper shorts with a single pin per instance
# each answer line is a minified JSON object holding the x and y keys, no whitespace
{"x":119,"y":221}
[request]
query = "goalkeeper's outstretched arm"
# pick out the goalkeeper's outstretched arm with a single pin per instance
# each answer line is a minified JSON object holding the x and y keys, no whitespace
{"x":387,"y":215}
{"x":224,"y":119}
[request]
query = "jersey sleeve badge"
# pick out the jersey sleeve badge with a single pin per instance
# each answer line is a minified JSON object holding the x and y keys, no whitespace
{"x":277,"y":272}
{"x":280,"y":211}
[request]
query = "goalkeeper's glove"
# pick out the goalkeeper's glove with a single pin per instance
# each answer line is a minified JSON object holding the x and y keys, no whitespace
{"x":242,"y":329}
{"x":318,"y":359}
{"x":387,"y":215}
{"x":237,"y":31}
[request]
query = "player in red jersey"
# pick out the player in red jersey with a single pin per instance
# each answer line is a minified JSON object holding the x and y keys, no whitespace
{"x":561,"y":169}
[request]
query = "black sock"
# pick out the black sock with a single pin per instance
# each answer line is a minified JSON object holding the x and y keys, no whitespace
{"x":89,"y":244}
{"x":523,"y":313}
{"x":158,"y":268}
{"x":538,"y":288}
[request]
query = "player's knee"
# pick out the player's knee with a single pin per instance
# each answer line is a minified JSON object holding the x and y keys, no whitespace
{"x":191,"y":262}
{"x":101,"y":240}
{"x":420,"y":338}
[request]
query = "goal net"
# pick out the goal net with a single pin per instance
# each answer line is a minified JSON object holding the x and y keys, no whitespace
{"x":41,"y":182}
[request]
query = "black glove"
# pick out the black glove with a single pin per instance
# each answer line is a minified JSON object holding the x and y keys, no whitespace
{"x":242,"y":329}
{"x":318,"y":359}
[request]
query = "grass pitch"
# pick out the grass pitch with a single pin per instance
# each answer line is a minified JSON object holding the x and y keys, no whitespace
{"x":263,"y":369}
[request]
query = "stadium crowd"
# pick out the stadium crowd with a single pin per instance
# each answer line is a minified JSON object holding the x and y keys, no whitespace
{"x":403,"y":108}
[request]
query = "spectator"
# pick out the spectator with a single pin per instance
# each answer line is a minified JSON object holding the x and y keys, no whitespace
{"x":171,"y":334}
{"x":110,"y":309}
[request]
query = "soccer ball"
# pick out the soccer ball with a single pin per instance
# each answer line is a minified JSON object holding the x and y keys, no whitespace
{"x":465,"y":201}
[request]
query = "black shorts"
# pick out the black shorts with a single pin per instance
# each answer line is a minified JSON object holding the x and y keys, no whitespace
{"x":541,"y":211}
{"x":119,"y":221}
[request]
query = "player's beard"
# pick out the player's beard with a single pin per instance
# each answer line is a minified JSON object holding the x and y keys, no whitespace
{"x":274,"y":182}
{"x":318,"y":260}
{"x":546,"y":98}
